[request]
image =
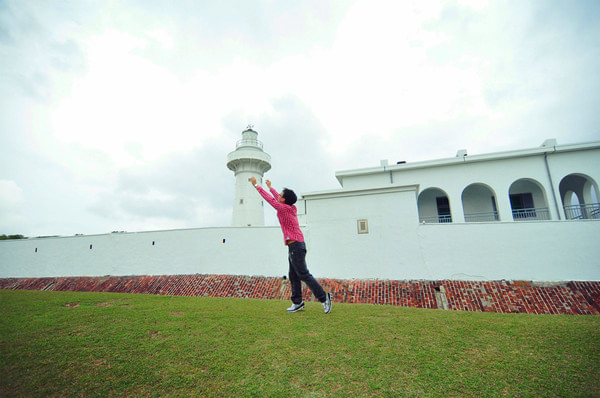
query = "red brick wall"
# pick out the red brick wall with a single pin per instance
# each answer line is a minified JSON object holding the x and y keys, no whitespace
{"x":492,"y":296}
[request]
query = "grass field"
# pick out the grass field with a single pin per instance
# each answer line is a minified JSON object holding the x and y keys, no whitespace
{"x":106,"y":344}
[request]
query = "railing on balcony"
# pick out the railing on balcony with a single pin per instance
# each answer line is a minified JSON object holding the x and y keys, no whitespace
{"x":577,"y":212}
{"x":537,"y":213}
{"x":583,"y":212}
{"x":481,"y":217}
{"x":255,"y":143}
{"x":436,"y":219}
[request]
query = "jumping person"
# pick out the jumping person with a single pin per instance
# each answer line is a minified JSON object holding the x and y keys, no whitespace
{"x":294,"y":240}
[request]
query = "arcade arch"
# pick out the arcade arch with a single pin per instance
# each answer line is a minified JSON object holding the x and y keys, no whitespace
{"x":434,"y":206}
{"x":528,"y":200}
{"x":479,"y":203}
{"x":579,"y":195}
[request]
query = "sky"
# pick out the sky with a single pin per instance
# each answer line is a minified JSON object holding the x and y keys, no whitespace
{"x":119,"y":115}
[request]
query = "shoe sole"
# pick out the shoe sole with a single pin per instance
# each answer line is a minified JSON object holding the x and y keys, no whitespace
{"x":296,"y":310}
{"x":330,"y":303}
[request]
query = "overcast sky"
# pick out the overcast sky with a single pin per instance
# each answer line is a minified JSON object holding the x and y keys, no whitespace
{"x":119,"y":115}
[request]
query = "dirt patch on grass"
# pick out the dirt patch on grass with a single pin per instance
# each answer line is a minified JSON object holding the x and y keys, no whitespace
{"x":105,"y":304}
{"x":179,"y":314}
{"x":72,"y":305}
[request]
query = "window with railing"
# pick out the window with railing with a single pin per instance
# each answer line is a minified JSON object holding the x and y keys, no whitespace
{"x":481,"y":217}
{"x":523,"y":208}
{"x":434,"y":207}
{"x":532,"y":213}
{"x":443,"y":209}
{"x":479,"y":203}
{"x":436,"y":219}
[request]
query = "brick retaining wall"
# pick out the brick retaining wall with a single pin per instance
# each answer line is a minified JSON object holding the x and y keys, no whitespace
{"x":576,"y":298}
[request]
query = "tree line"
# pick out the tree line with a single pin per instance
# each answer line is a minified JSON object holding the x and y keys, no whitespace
{"x":6,"y":237}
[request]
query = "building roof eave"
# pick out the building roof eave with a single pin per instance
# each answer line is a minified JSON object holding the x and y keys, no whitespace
{"x":466,"y":159}
{"x":361,"y":191}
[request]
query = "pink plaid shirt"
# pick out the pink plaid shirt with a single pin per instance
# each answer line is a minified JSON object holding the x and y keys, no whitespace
{"x":287,"y":215}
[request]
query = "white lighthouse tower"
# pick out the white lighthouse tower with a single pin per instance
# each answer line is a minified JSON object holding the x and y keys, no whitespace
{"x":248,"y":160}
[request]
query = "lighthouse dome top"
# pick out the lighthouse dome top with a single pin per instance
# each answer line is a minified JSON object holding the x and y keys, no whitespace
{"x":249,"y":138}
{"x":249,"y":154}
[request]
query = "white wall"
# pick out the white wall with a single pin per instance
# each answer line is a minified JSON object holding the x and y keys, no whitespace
{"x":535,"y":250}
{"x":246,"y":251}
{"x":398,"y":247}
{"x":386,"y":251}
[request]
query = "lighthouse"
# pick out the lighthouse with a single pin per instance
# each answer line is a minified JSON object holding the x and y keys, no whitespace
{"x":248,"y":160}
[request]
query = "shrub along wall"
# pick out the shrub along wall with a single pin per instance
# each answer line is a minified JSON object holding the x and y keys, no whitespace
{"x":576,"y":298}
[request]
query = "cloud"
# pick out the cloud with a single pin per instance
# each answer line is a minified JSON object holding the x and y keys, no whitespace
{"x":38,"y":53}
{"x":180,"y":190}
{"x":121,"y":115}
{"x":195,"y":188}
{"x":257,"y":31}
{"x":11,"y":195}
{"x":298,"y":144}
{"x":11,"y":205}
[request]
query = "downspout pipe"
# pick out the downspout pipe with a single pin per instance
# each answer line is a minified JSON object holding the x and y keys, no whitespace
{"x":384,"y":164}
{"x":551,"y":183}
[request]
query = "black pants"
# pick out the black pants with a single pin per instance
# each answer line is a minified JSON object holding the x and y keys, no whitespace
{"x":299,"y":273}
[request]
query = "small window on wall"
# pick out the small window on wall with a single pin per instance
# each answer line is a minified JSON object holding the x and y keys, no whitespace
{"x":363,"y":226}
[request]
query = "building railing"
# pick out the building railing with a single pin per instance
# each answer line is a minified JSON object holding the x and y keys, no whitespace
{"x":537,"y":213}
{"x":255,"y":143}
{"x":583,"y":212}
{"x":436,"y":219}
{"x":481,"y":217}
{"x":577,"y":212}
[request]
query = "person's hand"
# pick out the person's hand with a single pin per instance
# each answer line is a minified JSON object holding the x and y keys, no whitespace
{"x":268,"y":183}
{"x":252,"y":180}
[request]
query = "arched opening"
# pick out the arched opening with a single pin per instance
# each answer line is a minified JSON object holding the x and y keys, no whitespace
{"x":434,"y":206}
{"x":579,"y":194}
{"x":479,"y":203}
{"x":528,"y":201}
{"x":572,"y":206}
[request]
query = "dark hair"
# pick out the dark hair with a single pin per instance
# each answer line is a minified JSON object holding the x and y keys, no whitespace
{"x":289,"y":196}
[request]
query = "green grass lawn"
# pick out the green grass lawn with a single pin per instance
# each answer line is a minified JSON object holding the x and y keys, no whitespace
{"x":106,"y":344}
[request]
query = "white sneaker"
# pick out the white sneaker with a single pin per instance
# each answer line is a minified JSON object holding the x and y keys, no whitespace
{"x":327,"y":303}
{"x":296,"y":307}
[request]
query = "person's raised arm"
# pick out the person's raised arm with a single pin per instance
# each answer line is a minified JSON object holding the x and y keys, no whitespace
{"x":273,"y":201}
{"x":272,"y":190}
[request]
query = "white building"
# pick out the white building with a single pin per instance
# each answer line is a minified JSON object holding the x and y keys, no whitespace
{"x":521,"y":215}
{"x":528,"y":214}
{"x":547,"y":183}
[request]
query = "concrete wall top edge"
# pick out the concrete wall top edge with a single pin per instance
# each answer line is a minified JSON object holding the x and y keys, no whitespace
{"x":139,"y":232}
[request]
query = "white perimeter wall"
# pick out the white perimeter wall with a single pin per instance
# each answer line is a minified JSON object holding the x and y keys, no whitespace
{"x":542,"y":250}
{"x":536,"y":250}
{"x":246,"y":251}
